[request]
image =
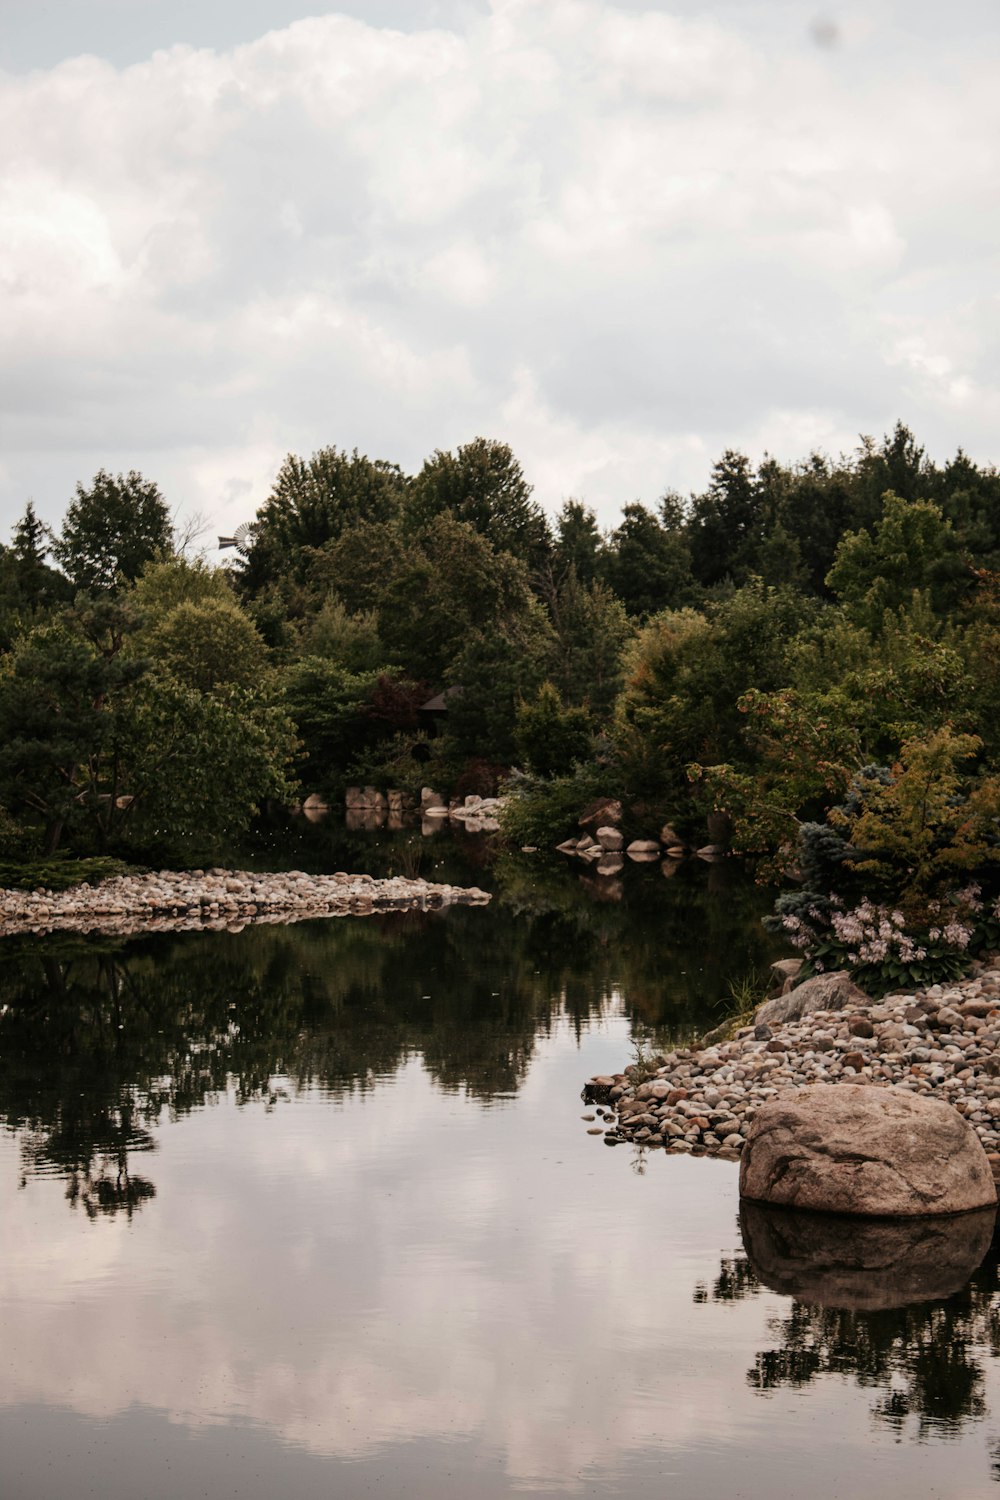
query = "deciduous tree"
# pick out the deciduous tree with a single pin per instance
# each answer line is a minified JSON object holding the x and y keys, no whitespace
{"x":112,"y":530}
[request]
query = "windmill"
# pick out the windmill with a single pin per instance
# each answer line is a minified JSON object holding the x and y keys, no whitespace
{"x":241,"y":539}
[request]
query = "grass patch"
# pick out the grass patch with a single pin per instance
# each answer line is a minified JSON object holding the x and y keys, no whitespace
{"x":737,"y":1008}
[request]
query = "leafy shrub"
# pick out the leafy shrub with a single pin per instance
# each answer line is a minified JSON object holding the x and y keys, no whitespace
{"x":58,"y":874}
{"x":549,"y":737}
{"x":888,"y":881}
{"x":16,"y":842}
{"x":544,"y":811}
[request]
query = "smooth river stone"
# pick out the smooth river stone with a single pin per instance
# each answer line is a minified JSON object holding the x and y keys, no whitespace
{"x":833,"y":1261}
{"x":841,"y":1148}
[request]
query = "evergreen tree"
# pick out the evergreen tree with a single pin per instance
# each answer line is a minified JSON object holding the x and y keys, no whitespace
{"x":647,"y":563}
{"x":578,"y":543}
{"x":727,"y":523}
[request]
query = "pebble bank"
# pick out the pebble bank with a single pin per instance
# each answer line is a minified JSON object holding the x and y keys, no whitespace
{"x":943,"y":1040}
{"x":229,"y":899}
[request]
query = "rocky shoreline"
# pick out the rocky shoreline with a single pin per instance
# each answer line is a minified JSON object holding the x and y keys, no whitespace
{"x":942,"y":1041}
{"x":218,"y":899}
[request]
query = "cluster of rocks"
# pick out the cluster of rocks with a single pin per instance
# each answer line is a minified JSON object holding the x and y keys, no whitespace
{"x":218,"y":899}
{"x":370,"y":799}
{"x":941,"y":1042}
{"x":366,"y":808}
{"x":477,"y":814}
{"x":605,"y":848}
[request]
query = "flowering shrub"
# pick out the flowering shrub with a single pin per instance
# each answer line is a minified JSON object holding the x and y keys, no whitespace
{"x":888,"y":879}
{"x":882,"y":946}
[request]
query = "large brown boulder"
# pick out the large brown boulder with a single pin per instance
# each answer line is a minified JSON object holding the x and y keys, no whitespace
{"x":836,"y":991}
{"x":830,"y":1261}
{"x":851,"y":1149}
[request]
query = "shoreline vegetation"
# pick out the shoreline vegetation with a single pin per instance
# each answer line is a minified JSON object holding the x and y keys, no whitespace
{"x":806,"y":651}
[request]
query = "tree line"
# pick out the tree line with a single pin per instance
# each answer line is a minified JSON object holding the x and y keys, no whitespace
{"x":753,"y":646}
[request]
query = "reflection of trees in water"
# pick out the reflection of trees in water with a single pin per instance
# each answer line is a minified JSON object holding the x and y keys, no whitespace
{"x":67,"y":1061}
{"x":100,"y":1037}
{"x":109,"y":1187}
{"x":669,"y":947}
{"x":926,"y":1360}
{"x":736,"y":1281}
{"x":93,"y":1156}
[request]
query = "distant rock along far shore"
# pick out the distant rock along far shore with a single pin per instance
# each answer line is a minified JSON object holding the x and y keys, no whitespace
{"x":218,"y":899}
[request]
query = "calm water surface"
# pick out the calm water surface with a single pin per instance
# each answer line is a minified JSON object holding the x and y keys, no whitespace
{"x":312,"y":1211}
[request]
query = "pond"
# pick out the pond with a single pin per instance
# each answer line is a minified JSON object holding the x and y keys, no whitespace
{"x":313,"y":1211}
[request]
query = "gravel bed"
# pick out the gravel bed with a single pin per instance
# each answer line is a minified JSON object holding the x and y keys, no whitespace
{"x":230,"y":899}
{"x":943,"y":1040}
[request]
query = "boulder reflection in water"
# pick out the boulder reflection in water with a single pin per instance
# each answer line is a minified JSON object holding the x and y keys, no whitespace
{"x":864,"y":1264}
{"x":905,"y":1308}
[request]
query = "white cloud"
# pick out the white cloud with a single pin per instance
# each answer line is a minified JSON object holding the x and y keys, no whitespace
{"x":619,"y":239}
{"x":395,"y":1283}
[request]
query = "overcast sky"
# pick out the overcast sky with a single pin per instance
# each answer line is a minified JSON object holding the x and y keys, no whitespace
{"x":620,"y":236}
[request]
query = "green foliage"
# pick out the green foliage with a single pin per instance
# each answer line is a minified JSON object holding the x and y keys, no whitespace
{"x":39,"y":586}
{"x":407,"y":760}
{"x":590,"y":630}
{"x":97,"y":748}
{"x":686,"y":672}
{"x":496,"y":669}
{"x":55,"y":725}
{"x":549,"y":737}
{"x":579,"y":546}
{"x":483,"y":485}
{"x":911,"y":549}
{"x":647,"y":563}
{"x":891,"y":880}
{"x":29,"y":589}
{"x":350,"y":640}
{"x":977,"y":639}
{"x":748,"y":649}
{"x":170,"y":581}
{"x":112,"y":530}
{"x":15,"y":840}
{"x":314,"y":502}
{"x":58,"y":874}
{"x":430,"y":593}
{"x":340,"y":716}
{"x":926,"y":825}
{"x":906,"y":680}
{"x":542,"y":811}
{"x":800,"y":754}
{"x":727,"y":523}
{"x":196,"y":766}
{"x":744,"y":992}
{"x":644,"y":1061}
{"x":326,"y":703}
{"x":207,"y":646}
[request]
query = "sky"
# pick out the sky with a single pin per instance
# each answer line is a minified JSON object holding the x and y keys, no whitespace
{"x":619,"y":236}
